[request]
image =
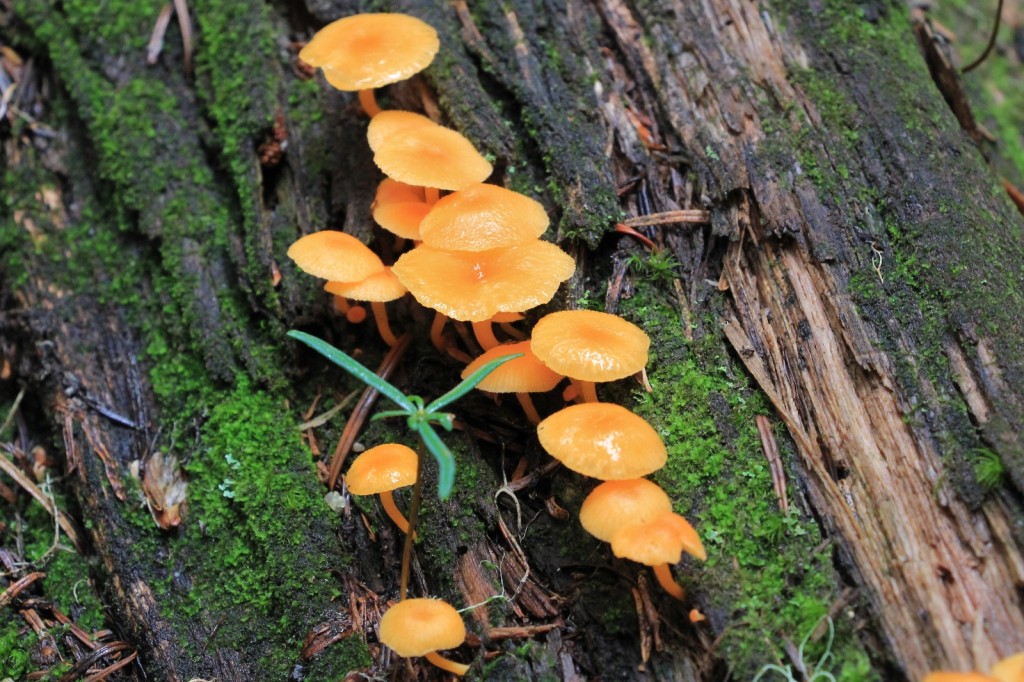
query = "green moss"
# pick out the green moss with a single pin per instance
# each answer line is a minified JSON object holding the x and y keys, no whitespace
{"x":16,"y":643}
{"x":768,"y":575}
{"x":257,"y":541}
{"x":249,"y":555}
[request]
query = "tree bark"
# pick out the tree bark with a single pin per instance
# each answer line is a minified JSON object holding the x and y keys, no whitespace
{"x":860,"y":273}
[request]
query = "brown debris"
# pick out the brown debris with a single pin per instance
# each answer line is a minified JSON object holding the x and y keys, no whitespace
{"x":771,"y":452}
{"x":165,"y":488}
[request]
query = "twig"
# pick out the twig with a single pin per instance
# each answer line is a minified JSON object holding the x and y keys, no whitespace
{"x":683,"y":216}
{"x":326,"y":416}
{"x":25,"y":482}
{"x":11,"y":592}
{"x":362,"y":410}
{"x":991,"y":40}
{"x":771,"y":452}
{"x":11,"y":412}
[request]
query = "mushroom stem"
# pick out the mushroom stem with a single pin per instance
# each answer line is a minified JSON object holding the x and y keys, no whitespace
{"x":368,"y":100}
{"x":431,"y":195}
{"x":528,"y":407}
{"x":414,"y":515}
{"x":484,"y":333}
{"x":667,"y":582}
{"x":447,"y":664}
{"x":380,"y":314}
{"x":440,"y":320}
{"x":512,"y":331}
{"x":586,"y":390}
{"x":341,"y":305}
{"x":387,"y":500}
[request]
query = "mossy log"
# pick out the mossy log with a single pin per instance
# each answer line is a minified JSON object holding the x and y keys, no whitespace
{"x":837,"y":365}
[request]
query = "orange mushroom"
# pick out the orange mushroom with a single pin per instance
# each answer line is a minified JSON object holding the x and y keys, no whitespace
{"x":399,"y":208}
{"x":942,"y":676}
{"x":602,"y":440}
{"x":589,"y":346}
{"x":482,"y":217}
{"x":521,"y":376}
{"x":659,"y":543}
{"x":367,"y":51}
{"x":334,"y":256}
{"x":380,"y":470}
{"x":420,"y":627}
{"x":1010,"y":669}
{"x":378,"y":289}
{"x":475,"y":286}
{"x":613,"y":505}
{"x":415,"y":150}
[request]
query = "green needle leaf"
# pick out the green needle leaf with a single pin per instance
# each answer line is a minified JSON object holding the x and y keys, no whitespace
{"x":445,"y":460}
{"x":470,"y":382}
{"x":352,"y":366}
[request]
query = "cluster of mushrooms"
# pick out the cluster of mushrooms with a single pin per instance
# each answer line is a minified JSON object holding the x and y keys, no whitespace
{"x":478,"y":258}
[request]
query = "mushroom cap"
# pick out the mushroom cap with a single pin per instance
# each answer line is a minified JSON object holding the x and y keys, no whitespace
{"x":482,"y":217}
{"x":614,"y":505}
{"x":942,"y":676}
{"x":379,"y":287}
{"x":370,"y":50}
{"x":659,"y":541}
{"x":1010,"y":669}
{"x":602,"y":440}
{"x":392,"y":122}
{"x":474,"y":286}
{"x":399,"y":208}
{"x":334,"y":255}
{"x":590,"y":345}
{"x":382,"y":468}
{"x":521,"y":375}
{"x":424,"y":153}
{"x":415,"y":627}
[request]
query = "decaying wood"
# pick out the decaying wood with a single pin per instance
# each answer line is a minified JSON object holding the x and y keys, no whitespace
{"x":915,"y":545}
{"x":681,"y":96}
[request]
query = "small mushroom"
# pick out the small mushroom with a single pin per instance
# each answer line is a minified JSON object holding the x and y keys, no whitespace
{"x":481,"y":217}
{"x":613,"y":505}
{"x":474,"y":286}
{"x":377,"y":289}
{"x":413,"y":149}
{"x":366,"y":51}
{"x":521,"y":376}
{"x":399,"y":208}
{"x":602,"y":440}
{"x":335,"y":256}
{"x":659,"y":543}
{"x":589,"y":346}
{"x":421,"y":627}
{"x":380,"y":470}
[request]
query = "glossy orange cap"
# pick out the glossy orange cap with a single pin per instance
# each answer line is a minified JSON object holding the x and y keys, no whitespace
{"x":370,"y":50}
{"x":420,"y":152}
{"x":614,"y":505}
{"x":521,"y":375}
{"x":334,"y":255}
{"x":482,"y":217}
{"x":590,"y":345}
{"x":474,"y":286}
{"x":602,"y":440}
{"x":382,"y":468}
